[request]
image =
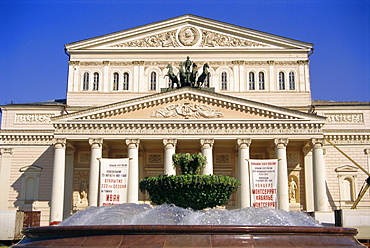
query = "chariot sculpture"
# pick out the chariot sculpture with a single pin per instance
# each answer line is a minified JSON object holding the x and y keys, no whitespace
{"x":188,"y":74}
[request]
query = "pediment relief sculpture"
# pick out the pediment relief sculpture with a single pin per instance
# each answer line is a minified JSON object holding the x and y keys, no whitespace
{"x":187,"y":110}
{"x":189,"y":36}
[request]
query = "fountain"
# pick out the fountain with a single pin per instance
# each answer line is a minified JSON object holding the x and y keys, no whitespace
{"x":167,"y":225}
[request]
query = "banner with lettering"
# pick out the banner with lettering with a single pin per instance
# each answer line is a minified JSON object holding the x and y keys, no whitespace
{"x":263,"y":174}
{"x":113,"y":181}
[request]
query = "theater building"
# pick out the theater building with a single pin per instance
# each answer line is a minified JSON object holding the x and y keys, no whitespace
{"x":250,"y":98}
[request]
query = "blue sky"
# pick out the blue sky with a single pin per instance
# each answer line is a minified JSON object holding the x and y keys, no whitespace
{"x":33,"y":66}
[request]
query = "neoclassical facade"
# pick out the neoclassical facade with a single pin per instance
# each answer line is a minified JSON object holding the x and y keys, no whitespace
{"x":250,"y":99}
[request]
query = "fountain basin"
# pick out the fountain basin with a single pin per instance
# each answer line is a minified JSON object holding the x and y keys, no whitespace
{"x":188,"y":236}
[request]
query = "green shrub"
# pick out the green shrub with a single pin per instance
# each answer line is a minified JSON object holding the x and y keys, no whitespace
{"x":189,"y":164}
{"x":194,"y":191}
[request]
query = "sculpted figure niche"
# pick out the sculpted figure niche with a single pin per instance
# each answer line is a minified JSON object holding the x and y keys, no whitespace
{"x":188,"y":75}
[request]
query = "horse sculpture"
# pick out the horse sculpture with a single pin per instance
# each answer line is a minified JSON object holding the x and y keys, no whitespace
{"x":172,"y":77}
{"x":203,"y":76}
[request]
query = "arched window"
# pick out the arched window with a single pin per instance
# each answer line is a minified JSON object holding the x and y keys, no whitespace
{"x":125,"y":81}
{"x":96,"y":81}
{"x":281,"y":81}
{"x":153,"y":80}
{"x":224,"y":81}
{"x":261,"y":80}
{"x":85,"y":85}
{"x":291,"y":81}
{"x":251,"y":81}
{"x":115,"y":81}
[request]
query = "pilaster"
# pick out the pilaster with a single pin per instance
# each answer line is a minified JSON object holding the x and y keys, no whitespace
{"x":5,"y":165}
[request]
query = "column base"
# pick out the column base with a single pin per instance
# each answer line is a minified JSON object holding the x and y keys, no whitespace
{"x":325,"y":218}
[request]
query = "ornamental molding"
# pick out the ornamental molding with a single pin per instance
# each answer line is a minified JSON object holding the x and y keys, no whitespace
{"x":187,"y":110}
{"x":33,"y":118}
{"x":187,"y":128}
{"x":344,"y":118}
{"x":189,"y":36}
{"x":27,"y":139}
{"x":356,"y":139}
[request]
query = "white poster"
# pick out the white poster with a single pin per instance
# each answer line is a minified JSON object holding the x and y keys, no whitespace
{"x":263,"y":175}
{"x":113,"y":181}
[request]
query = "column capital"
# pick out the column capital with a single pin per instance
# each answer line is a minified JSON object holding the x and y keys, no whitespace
{"x":60,"y":143}
{"x":106,"y":62}
{"x":207,"y":143}
{"x":281,"y":143}
{"x":367,"y":151}
{"x":244,"y":143}
{"x":169,"y":143}
{"x":96,"y":143}
{"x":317,"y":143}
{"x":8,"y":151}
{"x":70,"y":149}
{"x":307,"y":148}
{"x":133,"y":143}
{"x":271,"y":62}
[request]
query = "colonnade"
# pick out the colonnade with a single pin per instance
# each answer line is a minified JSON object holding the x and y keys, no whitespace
{"x":169,"y":145}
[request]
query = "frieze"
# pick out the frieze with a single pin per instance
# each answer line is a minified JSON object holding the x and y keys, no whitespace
{"x":91,"y":63}
{"x":33,"y":118}
{"x":120,"y":63}
{"x":213,"y":39}
{"x":187,"y":110}
{"x":345,"y":118}
{"x":189,"y":36}
{"x":188,"y":128}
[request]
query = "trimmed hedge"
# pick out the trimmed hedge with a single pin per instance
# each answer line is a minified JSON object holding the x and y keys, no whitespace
{"x":194,"y":191}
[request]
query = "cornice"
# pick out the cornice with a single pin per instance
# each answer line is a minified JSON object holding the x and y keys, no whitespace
{"x":194,"y":128}
{"x":27,"y":139}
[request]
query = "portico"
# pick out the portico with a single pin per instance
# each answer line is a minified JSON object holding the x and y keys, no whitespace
{"x":122,"y":131}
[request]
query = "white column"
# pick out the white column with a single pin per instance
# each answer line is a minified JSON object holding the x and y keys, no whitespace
{"x":234,"y":86}
{"x":282,"y":186}
{"x":241,"y":77}
{"x":96,"y":152}
{"x":133,"y":170}
{"x":5,"y":164}
{"x":308,"y":176}
{"x":57,"y":193}
{"x":68,"y":186}
{"x":319,"y":176}
{"x":367,"y":152}
{"x":301,"y":77}
{"x":206,"y":148}
{"x":169,"y":150}
{"x":243,"y":168}
{"x":142,"y":78}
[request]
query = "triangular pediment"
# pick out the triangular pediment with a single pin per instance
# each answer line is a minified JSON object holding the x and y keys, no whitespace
{"x":188,"y":32}
{"x":187,"y":104}
{"x":346,"y":168}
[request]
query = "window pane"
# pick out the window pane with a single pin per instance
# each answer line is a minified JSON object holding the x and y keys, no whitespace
{"x":261,"y":80}
{"x":251,"y":81}
{"x":115,"y":81}
{"x":291,"y":81}
{"x":224,"y":81}
{"x":281,"y":81}
{"x":153,"y":81}
{"x":85,"y":85}
{"x":125,"y":81}
{"x":96,"y":81}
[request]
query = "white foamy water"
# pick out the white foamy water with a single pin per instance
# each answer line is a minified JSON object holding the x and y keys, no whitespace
{"x":143,"y":214}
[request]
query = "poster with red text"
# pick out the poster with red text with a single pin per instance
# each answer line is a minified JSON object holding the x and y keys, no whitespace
{"x":113,"y":181}
{"x":263,"y":181}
